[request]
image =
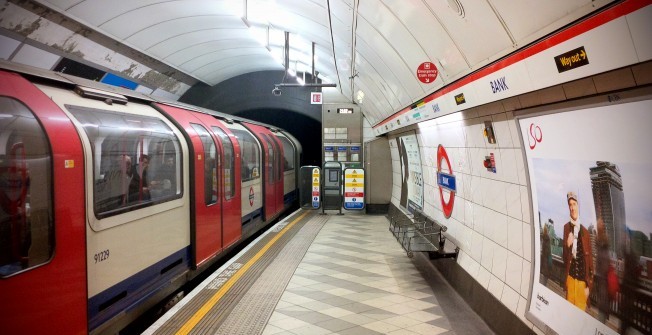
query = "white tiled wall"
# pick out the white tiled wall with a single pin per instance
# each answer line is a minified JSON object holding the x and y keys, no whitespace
{"x":491,"y":216}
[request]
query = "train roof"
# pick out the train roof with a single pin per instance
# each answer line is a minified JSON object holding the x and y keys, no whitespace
{"x":62,"y":79}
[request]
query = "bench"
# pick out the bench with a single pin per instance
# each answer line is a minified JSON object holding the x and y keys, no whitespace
{"x":419,"y":232}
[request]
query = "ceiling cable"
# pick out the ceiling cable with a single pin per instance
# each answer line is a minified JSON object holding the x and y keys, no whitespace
{"x":330,"y":24}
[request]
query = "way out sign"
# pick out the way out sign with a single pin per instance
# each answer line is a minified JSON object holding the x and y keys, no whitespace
{"x":427,"y":72}
{"x":353,"y":188}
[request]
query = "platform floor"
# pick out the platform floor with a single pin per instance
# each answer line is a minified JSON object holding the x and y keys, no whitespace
{"x":322,"y":274}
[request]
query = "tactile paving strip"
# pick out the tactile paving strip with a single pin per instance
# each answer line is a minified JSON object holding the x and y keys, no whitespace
{"x":221,"y":311}
{"x":251,"y":314}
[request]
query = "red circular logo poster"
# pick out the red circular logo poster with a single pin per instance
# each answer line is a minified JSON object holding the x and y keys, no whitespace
{"x":447,"y":206}
{"x":427,"y":72}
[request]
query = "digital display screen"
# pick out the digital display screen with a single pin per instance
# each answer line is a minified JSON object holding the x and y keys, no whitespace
{"x":345,"y":110}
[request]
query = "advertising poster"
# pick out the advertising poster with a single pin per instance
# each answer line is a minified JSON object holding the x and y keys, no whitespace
{"x":590,"y":174}
{"x":411,"y":175}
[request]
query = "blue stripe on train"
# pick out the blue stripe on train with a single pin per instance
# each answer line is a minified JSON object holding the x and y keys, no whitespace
{"x":290,"y":198}
{"x":130,"y":292}
{"x":256,"y":215}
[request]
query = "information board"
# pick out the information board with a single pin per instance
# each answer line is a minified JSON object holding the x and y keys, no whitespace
{"x":353,"y":188}
{"x":315,"y":188}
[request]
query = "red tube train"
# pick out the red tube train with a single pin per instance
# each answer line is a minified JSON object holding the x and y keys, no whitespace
{"x":111,"y":200}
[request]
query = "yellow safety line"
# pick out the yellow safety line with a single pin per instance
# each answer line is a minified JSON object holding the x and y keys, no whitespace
{"x":199,"y":315}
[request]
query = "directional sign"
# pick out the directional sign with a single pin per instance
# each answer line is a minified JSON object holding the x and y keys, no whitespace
{"x":353,"y":189}
{"x":571,"y":59}
{"x":315,"y":188}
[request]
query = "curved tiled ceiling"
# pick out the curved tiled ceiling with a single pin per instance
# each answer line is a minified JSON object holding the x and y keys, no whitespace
{"x":373,"y":46}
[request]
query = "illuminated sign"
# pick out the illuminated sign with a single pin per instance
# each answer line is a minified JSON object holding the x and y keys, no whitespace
{"x":345,"y":110}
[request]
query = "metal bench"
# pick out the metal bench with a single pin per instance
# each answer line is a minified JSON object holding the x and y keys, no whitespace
{"x":419,"y":232}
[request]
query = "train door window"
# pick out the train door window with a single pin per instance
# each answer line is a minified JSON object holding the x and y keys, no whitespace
{"x":270,"y":164}
{"x":210,"y":164}
{"x":229,"y":163}
{"x":288,"y":153}
{"x":136,"y":160}
{"x":276,"y":161}
{"x":26,"y":224}
{"x":250,"y":153}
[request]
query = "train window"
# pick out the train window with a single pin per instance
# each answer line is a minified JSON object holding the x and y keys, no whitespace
{"x":136,"y":160}
{"x":288,"y":153}
{"x":210,"y":164}
{"x":229,"y":163}
{"x":26,"y":224}
{"x":250,"y":152}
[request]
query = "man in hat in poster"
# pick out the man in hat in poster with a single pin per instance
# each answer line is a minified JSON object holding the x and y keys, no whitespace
{"x":577,"y":257}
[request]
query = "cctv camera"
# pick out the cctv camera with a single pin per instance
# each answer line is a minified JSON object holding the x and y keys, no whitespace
{"x":276,"y":91}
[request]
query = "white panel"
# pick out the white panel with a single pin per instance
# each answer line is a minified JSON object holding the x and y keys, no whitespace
{"x":30,"y":55}
{"x":61,"y":4}
{"x":390,"y":58}
{"x":204,"y":47}
{"x":144,"y":89}
{"x":7,"y":47}
{"x":381,"y":81}
{"x":479,"y":35}
{"x":180,"y":42}
{"x":511,"y":81}
{"x":431,"y":36}
{"x":137,"y":18}
{"x":522,"y":26}
{"x":165,"y":94}
{"x":94,"y":12}
{"x":607,"y":47}
{"x":161,"y":31}
{"x":401,"y":41}
{"x":640,"y":26}
{"x":225,"y":56}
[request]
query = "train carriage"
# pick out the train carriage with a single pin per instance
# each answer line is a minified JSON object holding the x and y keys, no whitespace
{"x":112,"y":200}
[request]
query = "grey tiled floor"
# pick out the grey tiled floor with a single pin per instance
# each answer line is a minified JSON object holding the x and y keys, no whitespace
{"x":356,"y":279}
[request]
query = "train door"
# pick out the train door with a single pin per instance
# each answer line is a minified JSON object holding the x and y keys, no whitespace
{"x":206,"y":216}
{"x":42,"y":247}
{"x":289,"y":168}
{"x":229,"y":179}
{"x":251,"y":185}
{"x":273,"y":176}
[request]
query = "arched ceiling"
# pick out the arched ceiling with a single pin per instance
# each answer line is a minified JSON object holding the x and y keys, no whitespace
{"x":373,"y":46}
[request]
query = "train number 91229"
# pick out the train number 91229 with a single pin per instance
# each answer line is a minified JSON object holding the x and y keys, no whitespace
{"x":101,"y":256}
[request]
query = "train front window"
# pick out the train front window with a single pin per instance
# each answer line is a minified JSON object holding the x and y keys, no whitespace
{"x":26,"y":223}
{"x":136,"y":160}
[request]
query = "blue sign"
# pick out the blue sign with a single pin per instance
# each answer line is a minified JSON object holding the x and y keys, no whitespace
{"x":353,"y":205}
{"x":328,"y":148}
{"x":446,"y":181}
{"x":341,"y":148}
{"x":354,"y":149}
{"x":114,"y":80}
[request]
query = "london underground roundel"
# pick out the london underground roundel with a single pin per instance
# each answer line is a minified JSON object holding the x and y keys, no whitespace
{"x":445,"y":180}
